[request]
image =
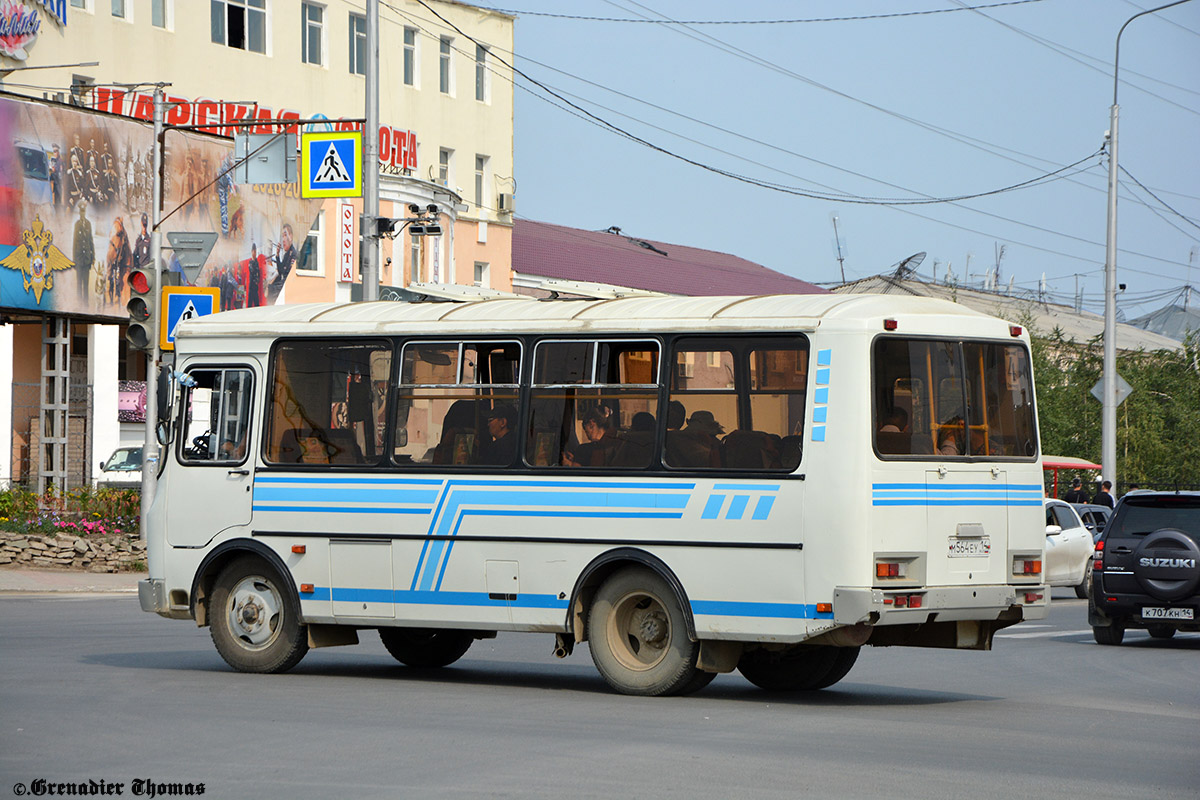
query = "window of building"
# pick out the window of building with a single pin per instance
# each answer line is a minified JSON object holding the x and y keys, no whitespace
{"x":312,"y":33}
{"x":481,"y":273}
{"x":414,"y":257}
{"x":410,"y":56}
{"x":240,"y":23}
{"x":358,"y":45}
{"x":482,"y":84}
{"x":445,"y":74}
{"x":81,"y":90}
{"x":593,"y":404}
{"x":120,"y":9}
{"x":162,"y":13}
{"x":445,"y":162}
{"x":311,"y":260}
{"x":480,"y":180}
{"x":457,"y":404}
{"x":83,"y":4}
{"x":328,"y":402}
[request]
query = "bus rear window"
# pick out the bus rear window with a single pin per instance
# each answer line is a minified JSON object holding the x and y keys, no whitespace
{"x":953,"y":400}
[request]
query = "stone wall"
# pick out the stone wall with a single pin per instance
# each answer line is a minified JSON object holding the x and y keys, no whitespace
{"x":120,"y":553}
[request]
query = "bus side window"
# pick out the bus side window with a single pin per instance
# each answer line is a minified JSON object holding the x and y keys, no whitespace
{"x":216,"y":419}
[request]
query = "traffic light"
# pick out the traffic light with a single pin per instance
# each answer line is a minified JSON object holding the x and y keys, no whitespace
{"x":142,"y":308}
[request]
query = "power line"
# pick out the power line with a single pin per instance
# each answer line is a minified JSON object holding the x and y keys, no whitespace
{"x":1129,"y":175}
{"x":756,"y":21}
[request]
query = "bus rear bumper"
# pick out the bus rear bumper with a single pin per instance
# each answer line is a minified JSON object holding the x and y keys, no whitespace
{"x":853,"y":605}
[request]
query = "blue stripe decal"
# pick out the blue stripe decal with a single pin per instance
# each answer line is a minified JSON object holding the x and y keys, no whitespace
{"x":406,"y":597}
{"x":824,"y":357}
{"x":745,"y":487}
{"x":352,"y":479}
{"x":722,"y":608}
{"x":822,"y":377}
{"x":818,"y":433}
{"x":712,"y":509}
{"x":763,"y":509}
{"x":340,"y":509}
{"x":737,"y":506}
{"x":822,"y":396}
{"x":1020,"y":487}
{"x":966,"y":501}
{"x":303,"y":493}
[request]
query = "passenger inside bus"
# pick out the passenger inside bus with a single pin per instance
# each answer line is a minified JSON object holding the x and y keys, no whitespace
{"x":599,"y":427}
{"x":501,"y":448}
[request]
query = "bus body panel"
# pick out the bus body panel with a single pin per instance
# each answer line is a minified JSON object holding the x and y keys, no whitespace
{"x":761,"y":558}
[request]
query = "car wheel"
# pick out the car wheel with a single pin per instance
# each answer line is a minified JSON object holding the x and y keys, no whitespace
{"x":1085,"y":586}
{"x":1110,"y":634}
{"x":1161,"y":631}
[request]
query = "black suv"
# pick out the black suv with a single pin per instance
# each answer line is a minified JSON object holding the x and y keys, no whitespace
{"x":1146,"y":570}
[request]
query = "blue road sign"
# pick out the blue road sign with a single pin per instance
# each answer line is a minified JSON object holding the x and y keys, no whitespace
{"x":180,"y":303}
{"x":331,"y":164}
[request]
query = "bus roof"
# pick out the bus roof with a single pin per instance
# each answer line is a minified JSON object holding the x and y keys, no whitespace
{"x":626,"y":314}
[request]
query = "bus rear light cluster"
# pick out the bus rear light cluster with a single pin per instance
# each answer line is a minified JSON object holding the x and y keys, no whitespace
{"x":1027,"y":566}
{"x":889,"y":569}
{"x":903,"y":601}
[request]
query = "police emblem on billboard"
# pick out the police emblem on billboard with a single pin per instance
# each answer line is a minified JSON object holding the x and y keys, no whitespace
{"x":37,"y":259}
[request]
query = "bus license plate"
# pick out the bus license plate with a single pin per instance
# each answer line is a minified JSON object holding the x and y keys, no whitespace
{"x":970,"y":548}
{"x":1168,"y":613}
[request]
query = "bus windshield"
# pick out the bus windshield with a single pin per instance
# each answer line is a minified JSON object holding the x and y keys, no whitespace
{"x":953,"y":400}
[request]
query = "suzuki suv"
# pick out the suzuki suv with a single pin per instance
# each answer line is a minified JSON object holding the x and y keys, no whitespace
{"x":1146,"y":569}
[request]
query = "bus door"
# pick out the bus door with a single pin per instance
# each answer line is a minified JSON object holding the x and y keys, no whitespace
{"x":967,"y":512}
{"x":210,"y":485}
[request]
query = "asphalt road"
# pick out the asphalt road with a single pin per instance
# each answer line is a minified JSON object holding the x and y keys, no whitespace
{"x":93,"y":689}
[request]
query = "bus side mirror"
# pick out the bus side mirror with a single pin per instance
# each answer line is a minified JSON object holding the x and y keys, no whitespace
{"x":165,"y":396}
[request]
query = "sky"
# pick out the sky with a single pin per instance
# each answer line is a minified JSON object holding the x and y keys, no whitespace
{"x":632,"y":123}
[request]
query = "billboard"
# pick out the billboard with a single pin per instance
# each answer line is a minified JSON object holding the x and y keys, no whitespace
{"x":75,"y":194}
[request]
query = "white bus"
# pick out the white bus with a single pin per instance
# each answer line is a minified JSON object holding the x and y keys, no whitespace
{"x":691,"y":485}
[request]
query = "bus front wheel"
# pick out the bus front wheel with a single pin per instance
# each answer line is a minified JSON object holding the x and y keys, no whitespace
{"x":638,"y":638}
{"x":425,"y":648}
{"x":255,"y":622}
{"x":799,"y":668}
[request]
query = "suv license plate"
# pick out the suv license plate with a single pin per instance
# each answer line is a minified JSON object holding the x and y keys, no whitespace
{"x":970,"y":548}
{"x":1168,"y":613}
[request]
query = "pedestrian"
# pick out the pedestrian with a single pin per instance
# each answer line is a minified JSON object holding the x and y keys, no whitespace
{"x":1104,"y":496}
{"x":1076,"y":494}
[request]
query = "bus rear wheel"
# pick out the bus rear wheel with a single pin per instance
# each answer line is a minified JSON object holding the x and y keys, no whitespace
{"x":426,"y":648}
{"x":799,"y":668}
{"x":638,"y":638}
{"x":255,"y":622}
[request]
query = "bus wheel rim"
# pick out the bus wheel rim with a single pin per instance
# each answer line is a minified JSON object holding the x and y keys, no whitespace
{"x":639,"y":631}
{"x":255,"y":612}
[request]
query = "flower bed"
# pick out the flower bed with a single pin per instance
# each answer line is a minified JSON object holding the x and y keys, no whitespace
{"x":95,"y":530}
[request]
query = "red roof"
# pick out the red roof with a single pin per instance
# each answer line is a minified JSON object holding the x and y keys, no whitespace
{"x":553,"y":251}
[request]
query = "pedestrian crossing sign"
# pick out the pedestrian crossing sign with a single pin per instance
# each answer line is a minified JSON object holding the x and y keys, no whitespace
{"x":180,"y":303}
{"x":331,"y":164}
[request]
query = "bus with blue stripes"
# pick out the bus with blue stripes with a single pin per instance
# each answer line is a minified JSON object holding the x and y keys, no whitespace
{"x":688,"y":485}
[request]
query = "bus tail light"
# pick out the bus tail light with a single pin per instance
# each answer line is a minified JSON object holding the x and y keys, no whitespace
{"x":890,"y":324}
{"x":1027,"y":566}
{"x":889,"y":569}
{"x":903,"y":601}
{"x":1032,"y":597}
{"x":1014,"y":330}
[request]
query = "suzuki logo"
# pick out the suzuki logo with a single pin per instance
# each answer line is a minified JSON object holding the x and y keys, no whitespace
{"x":1179,"y":563}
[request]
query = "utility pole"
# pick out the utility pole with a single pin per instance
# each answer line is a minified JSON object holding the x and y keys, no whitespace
{"x":150,"y":449}
{"x":370,"y":239}
{"x":1108,"y":419}
{"x":841,"y":259}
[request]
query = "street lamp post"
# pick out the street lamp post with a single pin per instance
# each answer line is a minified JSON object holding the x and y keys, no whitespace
{"x":1108,"y":425}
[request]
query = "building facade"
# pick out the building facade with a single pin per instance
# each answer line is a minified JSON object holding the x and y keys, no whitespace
{"x":445,"y":145}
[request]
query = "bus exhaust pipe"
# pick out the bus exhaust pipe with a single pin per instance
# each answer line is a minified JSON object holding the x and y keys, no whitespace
{"x":564,"y":644}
